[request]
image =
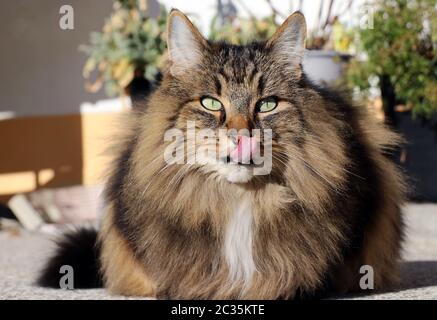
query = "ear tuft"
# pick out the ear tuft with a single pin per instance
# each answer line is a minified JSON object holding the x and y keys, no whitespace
{"x":185,"y":43}
{"x":288,"y":42}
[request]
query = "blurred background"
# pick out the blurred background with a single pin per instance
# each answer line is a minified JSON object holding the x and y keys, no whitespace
{"x":69,"y":69}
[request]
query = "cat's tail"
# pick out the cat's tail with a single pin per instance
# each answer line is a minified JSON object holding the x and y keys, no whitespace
{"x":79,"y":250}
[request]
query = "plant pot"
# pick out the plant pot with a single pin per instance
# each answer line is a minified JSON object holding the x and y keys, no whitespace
{"x":139,"y":88}
{"x":420,"y":155}
{"x":324,"y":67}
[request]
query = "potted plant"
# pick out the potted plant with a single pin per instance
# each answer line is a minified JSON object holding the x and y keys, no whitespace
{"x":125,"y":57}
{"x":327,"y":44}
{"x":398,"y":57}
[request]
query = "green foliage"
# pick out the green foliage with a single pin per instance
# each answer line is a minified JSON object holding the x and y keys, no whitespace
{"x":402,"y":45}
{"x":129,"y":41}
{"x":242,"y":30}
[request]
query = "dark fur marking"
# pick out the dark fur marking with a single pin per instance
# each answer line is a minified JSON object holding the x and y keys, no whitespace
{"x":80,"y":250}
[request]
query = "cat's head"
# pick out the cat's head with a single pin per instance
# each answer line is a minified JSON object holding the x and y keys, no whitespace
{"x":259,"y":86}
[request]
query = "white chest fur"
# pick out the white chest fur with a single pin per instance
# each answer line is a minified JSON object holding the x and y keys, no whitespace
{"x":239,"y":242}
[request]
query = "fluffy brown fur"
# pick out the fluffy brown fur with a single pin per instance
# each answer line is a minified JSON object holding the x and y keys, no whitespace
{"x":330,"y":204}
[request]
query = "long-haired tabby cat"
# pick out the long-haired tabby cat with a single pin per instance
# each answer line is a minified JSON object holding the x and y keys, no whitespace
{"x":215,"y":230}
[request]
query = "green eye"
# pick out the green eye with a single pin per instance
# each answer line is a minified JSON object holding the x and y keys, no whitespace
{"x":267,"y":105}
{"x":211,"y":104}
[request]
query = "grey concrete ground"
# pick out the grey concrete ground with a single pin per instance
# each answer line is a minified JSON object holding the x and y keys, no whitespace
{"x":21,"y":256}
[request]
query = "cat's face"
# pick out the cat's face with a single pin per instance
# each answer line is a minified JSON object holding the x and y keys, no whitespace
{"x":245,"y":101}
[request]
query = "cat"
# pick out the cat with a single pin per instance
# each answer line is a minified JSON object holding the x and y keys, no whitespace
{"x":329,"y":205}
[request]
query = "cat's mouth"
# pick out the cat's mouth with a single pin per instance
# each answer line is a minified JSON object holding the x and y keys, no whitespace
{"x":236,"y":172}
{"x":228,"y":159}
{"x":230,"y":170}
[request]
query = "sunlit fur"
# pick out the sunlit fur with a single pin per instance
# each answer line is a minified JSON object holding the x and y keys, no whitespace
{"x":330,"y":205}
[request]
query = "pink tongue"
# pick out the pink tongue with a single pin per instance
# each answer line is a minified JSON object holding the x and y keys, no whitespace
{"x":245,"y":150}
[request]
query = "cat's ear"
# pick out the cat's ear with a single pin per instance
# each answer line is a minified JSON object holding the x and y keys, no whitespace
{"x":185,"y":43}
{"x":288,"y":42}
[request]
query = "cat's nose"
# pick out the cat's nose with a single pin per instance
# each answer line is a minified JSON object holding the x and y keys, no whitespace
{"x":237,"y":122}
{"x":243,"y":145}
